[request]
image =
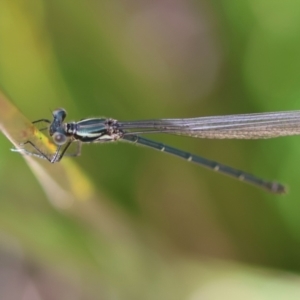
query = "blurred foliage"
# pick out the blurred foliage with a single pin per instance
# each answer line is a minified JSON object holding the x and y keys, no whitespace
{"x":139,"y":224}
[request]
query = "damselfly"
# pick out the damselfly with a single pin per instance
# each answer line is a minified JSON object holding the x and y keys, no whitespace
{"x":102,"y":130}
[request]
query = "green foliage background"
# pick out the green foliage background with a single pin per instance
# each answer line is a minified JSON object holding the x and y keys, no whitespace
{"x":158,"y":227}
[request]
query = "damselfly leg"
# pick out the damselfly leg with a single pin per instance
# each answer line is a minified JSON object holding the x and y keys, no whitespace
{"x":53,"y":158}
{"x":61,"y":140}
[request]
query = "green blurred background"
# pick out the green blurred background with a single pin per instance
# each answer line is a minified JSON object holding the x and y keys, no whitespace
{"x":161,"y":228}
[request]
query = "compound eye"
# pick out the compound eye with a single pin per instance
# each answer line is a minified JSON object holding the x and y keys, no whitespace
{"x":59,"y":138}
{"x":60,"y":114}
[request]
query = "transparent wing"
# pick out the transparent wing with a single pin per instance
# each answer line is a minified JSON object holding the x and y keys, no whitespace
{"x":244,"y":126}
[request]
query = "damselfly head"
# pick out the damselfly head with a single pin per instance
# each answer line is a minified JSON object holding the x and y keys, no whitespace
{"x":59,"y":138}
{"x":59,"y":114}
{"x":58,"y":117}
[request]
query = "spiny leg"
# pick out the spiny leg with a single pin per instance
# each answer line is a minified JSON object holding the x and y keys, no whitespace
{"x":77,"y":152}
{"x":42,"y":121}
{"x":57,"y":157}
{"x":39,"y":154}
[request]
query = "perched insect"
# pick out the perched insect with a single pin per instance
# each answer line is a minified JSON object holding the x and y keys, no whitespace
{"x":102,"y":130}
